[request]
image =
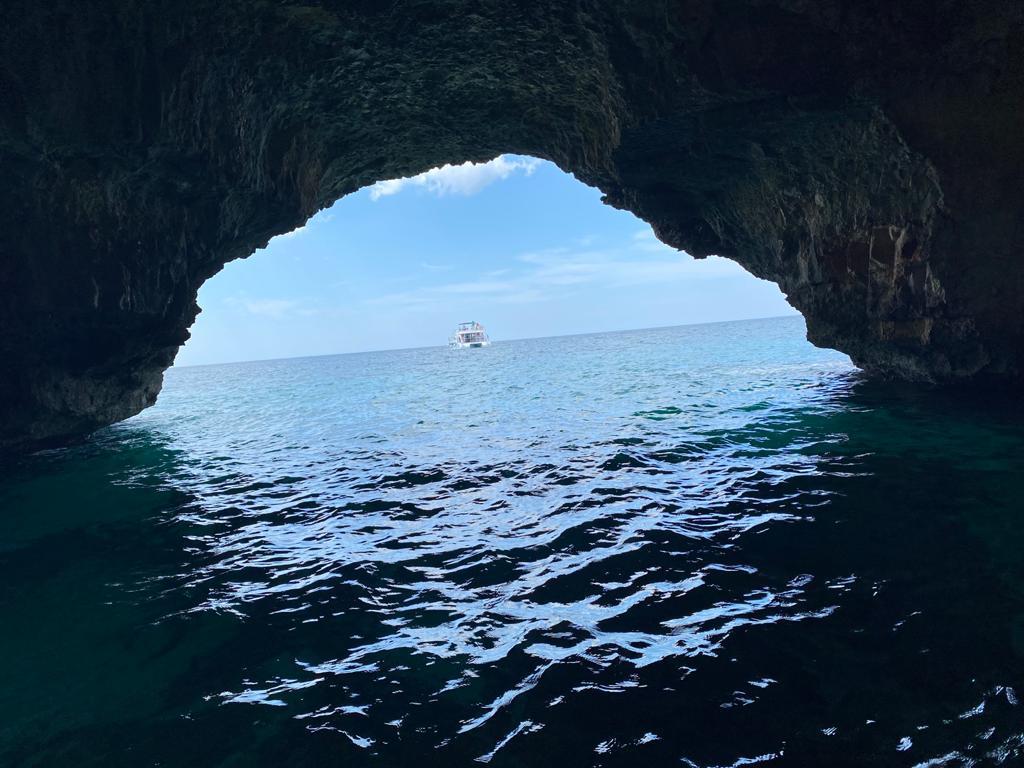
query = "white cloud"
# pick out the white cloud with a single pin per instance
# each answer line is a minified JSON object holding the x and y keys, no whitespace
{"x":465,"y":179}
{"x":265,"y":307}
{"x":554,"y":272}
{"x":277,"y":309}
{"x":632,"y":266}
{"x":645,"y":240}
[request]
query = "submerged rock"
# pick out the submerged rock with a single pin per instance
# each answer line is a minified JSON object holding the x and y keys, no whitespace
{"x":866,"y":156}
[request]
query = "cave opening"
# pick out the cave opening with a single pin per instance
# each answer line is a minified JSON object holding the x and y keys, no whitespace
{"x":707,"y":545}
{"x":514,"y":242}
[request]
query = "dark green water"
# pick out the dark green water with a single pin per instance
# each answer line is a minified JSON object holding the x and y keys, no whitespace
{"x":700,"y":546}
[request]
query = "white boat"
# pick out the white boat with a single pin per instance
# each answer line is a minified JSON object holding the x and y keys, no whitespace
{"x":469,"y":336}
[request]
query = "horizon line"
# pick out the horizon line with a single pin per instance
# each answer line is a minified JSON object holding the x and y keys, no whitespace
{"x":521,"y":338}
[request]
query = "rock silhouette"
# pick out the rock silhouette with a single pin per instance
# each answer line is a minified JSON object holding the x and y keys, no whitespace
{"x":866,"y":156}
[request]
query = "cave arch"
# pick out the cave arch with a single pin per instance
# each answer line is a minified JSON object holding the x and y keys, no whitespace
{"x":514,"y":242}
{"x":864,"y":156}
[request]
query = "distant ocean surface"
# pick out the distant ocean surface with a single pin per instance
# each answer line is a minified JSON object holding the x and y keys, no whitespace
{"x":703,"y":546}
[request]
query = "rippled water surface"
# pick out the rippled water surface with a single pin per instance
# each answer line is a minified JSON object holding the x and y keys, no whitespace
{"x":700,"y":546}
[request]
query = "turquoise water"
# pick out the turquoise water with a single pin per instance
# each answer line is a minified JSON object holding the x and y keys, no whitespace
{"x":700,"y":546}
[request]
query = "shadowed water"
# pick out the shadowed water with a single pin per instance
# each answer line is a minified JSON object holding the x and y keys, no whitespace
{"x":699,"y":546}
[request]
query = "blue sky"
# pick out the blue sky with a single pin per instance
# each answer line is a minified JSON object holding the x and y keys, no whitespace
{"x":515,"y":243}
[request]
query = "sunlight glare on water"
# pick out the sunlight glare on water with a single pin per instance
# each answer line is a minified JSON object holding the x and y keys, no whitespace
{"x":703,"y":546}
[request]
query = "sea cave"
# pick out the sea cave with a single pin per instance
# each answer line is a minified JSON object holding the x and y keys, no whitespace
{"x":867,"y":157}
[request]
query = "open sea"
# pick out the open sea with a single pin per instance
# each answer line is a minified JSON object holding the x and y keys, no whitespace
{"x":707,"y":545}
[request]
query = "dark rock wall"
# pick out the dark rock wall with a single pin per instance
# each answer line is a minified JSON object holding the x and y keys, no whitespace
{"x":867,"y":156}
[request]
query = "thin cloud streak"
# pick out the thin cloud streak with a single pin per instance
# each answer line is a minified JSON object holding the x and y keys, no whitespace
{"x":280,"y":308}
{"x":552,"y":273}
{"x":265,"y":307}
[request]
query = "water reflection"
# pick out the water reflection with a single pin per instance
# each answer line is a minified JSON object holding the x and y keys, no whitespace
{"x":713,"y":565}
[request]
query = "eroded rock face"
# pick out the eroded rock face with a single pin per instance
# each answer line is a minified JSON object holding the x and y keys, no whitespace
{"x":867,"y":156}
